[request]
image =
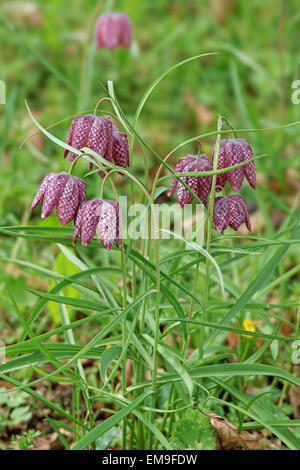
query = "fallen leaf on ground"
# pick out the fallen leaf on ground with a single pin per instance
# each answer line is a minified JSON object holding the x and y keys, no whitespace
{"x":229,"y":437}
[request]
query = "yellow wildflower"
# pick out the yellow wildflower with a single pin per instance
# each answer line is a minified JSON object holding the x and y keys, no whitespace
{"x":248,"y":325}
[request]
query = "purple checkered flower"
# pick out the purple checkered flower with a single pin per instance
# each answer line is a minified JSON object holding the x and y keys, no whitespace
{"x":101,"y":216}
{"x":98,"y":134}
{"x":63,"y":191}
{"x":113,"y":30}
{"x":230,"y":211}
{"x":232,"y":152}
{"x":201,"y":185}
{"x":93,"y":132}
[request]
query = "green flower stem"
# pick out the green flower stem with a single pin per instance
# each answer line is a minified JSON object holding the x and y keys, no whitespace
{"x":192,"y":298}
{"x":124,"y":386}
{"x":157,"y":272}
{"x":209,"y":232}
{"x":84,"y":67}
{"x":124,"y":324}
{"x":106,"y":98}
{"x":110,"y":6}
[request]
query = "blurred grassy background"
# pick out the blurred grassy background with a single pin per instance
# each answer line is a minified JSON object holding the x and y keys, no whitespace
{"x":43,"y":53}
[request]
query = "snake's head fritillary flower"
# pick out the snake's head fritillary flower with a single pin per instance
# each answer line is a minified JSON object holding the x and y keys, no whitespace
{"x":101,"y":216}
{"x":98,"y":134}
{"x":93,"y":132}
{"x":201,"y":185}
{"x":63,"y":191}
{"x":232,"y":152}
{"x":230,"y":211}
{"x":113,"y":30}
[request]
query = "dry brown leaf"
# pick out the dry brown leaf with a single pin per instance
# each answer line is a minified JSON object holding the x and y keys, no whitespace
{"x":229,"y":437}
{"x":41,"y":443}
{"x":232,"y":339}
{"x":129,"y":371}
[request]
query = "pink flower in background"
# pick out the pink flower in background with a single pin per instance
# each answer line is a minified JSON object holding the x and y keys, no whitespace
{"x":113,"y":30}
{"x":101,"y":216}
{"x":201,"y":185}
{"x":230,"y":211}
{"x":232,"y":152}
{"x":63,"y":191}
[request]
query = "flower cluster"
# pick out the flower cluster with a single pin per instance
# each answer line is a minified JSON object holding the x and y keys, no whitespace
{"x":67,"y":194}
{"x":230,"y":211}
{"x":98,"y":134}
{"x":113,"y":30}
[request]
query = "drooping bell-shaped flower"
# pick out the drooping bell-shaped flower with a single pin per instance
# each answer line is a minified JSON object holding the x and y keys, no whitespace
{"x":113,"y":30}
{"x":232,"y":152}
{"x":101,"y":216}
{"x":201,"y":185}
{"x":98,"y":134}
{"x":63,"y":191}
{"x":230,"y":211}
{"x":90,"y":131}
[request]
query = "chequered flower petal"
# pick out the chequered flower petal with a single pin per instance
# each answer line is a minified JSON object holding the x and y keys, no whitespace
{"x":68,"y":202}
{"x":179,"y":169}
{"x":109,"y":153}
{"x":78,"y":220}
{"x":116,"y":205}
{"x":80,"y":132}
{"x":183,"y":194}
{"x":238,"y":212}
{"x":53,"y":193}
{"x":107,"y":225}
{"x":204,"y":182}
{"x":89,"y":220}
{"x":109,"y":134}
{"x":40,"y":194}
{"x":97,"y":138}
{"x":82,"y":189}
{"x":120,"y":148}
{"x":249,"y":169}
{"x":221,"y":214}
{"x":234,"y":155}
{"x":70,"y":134}
{"x":221,"y":179}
